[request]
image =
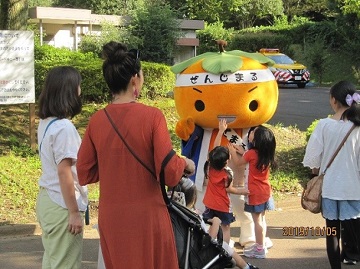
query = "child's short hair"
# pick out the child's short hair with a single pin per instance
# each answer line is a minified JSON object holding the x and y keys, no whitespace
{"x":218,"y":157}
{"x":60,"y":94}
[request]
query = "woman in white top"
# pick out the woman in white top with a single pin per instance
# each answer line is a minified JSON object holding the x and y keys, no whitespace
{"x":61,"y":202}
{"x":341,"y":186}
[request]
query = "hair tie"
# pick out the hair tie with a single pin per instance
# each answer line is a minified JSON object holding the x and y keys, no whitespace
{"x":354,"y":98}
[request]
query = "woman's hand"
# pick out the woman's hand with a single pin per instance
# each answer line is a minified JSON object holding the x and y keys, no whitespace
{"x":190,"y":167}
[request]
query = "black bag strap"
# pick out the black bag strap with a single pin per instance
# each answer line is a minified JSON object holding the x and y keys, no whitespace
{"x":127,"y":145}
{"x":162,"y":175}
{"x":338,"y":148}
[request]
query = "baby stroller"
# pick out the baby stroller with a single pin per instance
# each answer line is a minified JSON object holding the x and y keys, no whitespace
{"x":195,"y":247}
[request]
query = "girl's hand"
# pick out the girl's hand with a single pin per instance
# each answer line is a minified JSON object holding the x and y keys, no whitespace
{"x":238,"y":149}
{"x":214,"y":220}
{"x":222,"y":126}
{"x":243,"y":191}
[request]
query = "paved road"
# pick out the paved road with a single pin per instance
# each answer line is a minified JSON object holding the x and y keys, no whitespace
{"x":300,"y":107}
{"x":288,"y":252}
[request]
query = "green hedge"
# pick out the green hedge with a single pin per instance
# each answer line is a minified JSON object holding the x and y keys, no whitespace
{"x":252,"y":42}
{"x":159,"y":80}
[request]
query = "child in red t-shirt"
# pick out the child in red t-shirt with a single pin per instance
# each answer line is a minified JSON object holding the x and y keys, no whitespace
{"x":219,"y":186}
{"x":260,"y":157}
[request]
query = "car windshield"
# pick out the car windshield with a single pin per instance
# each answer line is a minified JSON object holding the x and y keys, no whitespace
{"x":281,"y":59}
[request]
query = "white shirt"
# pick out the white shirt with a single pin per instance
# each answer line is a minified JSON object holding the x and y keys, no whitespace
{"x":61,"y":141}
{"x":342,"y":179}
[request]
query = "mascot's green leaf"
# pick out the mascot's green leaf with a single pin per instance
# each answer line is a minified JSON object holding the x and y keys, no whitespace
{"x":222,"y":62}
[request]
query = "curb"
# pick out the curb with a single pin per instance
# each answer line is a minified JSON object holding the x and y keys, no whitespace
{"x":20,"y":229}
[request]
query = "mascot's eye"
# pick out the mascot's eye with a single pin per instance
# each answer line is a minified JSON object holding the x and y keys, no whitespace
{"x":199,"y":105}
{"x":253,"y":105}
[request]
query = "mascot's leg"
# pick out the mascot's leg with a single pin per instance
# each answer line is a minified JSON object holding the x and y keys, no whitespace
{"x":199,"y":205}
{"x":247,"y":230}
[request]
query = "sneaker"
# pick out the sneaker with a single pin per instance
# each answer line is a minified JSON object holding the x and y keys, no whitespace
{"x":268,"y":243}
{"x":349,"y":261}
{"x":255,"y":252}
{"x":248,"y":250}
{"x":252,"y":266}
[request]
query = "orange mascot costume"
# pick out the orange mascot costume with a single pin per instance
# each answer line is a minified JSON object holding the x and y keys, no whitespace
{"x":234,"y":85}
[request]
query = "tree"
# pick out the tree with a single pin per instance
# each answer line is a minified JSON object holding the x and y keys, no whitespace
{"x":13,"y":14}
{"x":107,"y":7}
{"x":109,"y":32}
{"x":40,"y":3}
{"x":351,"y":6}
{"x":156,"y":30}
{"x":233,"y":13}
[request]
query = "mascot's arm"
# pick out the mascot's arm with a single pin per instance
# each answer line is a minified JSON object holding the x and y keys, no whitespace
{"x":184,"y":128}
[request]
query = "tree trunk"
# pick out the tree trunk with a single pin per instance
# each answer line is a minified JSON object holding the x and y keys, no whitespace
{"x":13,"y":14}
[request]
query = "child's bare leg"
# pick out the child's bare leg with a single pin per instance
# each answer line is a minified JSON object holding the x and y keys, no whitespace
{"x":238,"y":260}
{"x":259,"y":229}
{"x":226,"y":232}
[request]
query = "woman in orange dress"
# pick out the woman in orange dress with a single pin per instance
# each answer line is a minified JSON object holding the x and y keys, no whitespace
{"x":134,"y":224}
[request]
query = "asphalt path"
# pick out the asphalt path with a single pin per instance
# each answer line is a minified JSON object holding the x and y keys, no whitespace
{"x":297,"y":235}
{"x":300,"y":107}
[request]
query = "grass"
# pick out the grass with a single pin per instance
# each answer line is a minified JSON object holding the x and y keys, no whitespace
{"x":20,"y":167}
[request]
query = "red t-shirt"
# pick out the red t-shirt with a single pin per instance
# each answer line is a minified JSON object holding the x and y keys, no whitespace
{"x":216,"y":196}
{"x":258,"y":181}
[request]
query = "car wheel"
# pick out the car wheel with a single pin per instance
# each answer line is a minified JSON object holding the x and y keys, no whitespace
{"x":301,"y":85}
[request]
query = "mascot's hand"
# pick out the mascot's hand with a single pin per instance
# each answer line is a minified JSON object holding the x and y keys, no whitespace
{"x":184,"y":128}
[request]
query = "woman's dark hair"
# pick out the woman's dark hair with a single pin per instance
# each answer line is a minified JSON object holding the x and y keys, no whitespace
{"x":60,"y":94}
{"x":218,"y":157}
{"x":264,"y":143}
{"x":119,"y":66}
{"x":339,"y":91}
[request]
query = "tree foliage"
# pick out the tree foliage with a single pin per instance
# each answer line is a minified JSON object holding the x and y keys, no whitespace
{"x":234,"y":13}
{"x":107,"y":7}
{"x":13,"y":14}
{"x":351,"y":6}
{"x":94,"y":43}
{"x":156,"y":31}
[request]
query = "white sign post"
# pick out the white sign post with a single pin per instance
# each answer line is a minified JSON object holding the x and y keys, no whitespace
{"x":17,"y":82}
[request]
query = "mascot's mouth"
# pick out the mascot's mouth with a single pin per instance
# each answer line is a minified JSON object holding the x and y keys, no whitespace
{"x":228,"y":119}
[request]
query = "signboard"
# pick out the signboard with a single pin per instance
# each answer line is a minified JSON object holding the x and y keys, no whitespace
{"x":17,"y":83}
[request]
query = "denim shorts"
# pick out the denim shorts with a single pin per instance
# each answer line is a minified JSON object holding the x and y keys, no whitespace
{"x":340,"y":209}
{"x":225,"y":217}
{"x":269,"y":205}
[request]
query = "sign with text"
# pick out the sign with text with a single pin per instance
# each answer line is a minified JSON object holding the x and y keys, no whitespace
{"x":17,"y":83}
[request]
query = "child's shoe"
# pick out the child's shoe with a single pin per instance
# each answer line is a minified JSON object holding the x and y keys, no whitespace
{"x":256,"y":252}
{"x":252,"y":266}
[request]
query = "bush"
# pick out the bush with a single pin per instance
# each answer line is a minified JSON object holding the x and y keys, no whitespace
{"x":310,"y":129}
{"x":159,"y":80}
{"x":47,"y":53}
{"x":252,"y":42}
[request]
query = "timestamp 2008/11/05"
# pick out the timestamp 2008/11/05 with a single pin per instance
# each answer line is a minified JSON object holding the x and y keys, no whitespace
{"x":309,"y":231}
